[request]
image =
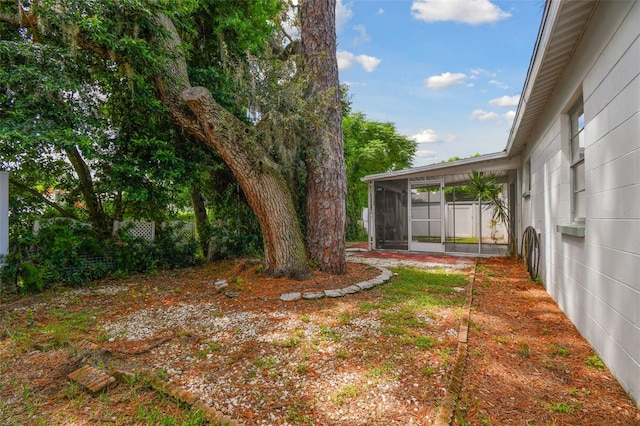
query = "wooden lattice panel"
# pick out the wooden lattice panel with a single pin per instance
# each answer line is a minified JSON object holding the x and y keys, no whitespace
{"x":143,"y":230}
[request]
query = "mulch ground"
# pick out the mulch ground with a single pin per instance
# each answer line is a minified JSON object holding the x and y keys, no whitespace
{"x":527,"y":364}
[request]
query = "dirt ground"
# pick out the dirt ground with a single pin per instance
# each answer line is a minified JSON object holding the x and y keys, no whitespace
{"x":243,"y":352}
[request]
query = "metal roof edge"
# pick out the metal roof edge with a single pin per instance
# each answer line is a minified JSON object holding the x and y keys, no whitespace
{"x":438,"y":166}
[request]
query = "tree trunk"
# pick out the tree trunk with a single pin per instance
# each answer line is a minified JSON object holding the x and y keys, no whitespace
{"x":264,"y":186}
{"x":93,"y":204}
{"x":195,"y":110}
{"x":202,"y":222}
{"x":326,"y":176}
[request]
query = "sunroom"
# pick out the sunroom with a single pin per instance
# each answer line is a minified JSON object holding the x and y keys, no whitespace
{"x":430,"y":209}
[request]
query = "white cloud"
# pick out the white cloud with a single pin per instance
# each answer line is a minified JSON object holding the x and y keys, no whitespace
{"x":449,"y":137}
{"x":444,"y":80}
{"x":343,"y":15}
{"x":473,"y":12}
{"x":479,"y":71}
{"x":369,"y":63}
{"x":505,"y":101}
{"x":510,"y":116}
{"x":499,"y":84}
{"x":347,"y":59}
{"x":380,"y":11}
{"x":363,"y":36}
{"x":482,"y":115}
{"x":426,"y":136}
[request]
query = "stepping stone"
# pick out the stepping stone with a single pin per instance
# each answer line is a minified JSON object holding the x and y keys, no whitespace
{"x":351,"y":289}
{"x":334,"y":293}
{"x":365,"y":285}
{"x":290,"y":297}
{"x":312,"y":295}
{"x":386,"y":274}
{"x":93,"y":379}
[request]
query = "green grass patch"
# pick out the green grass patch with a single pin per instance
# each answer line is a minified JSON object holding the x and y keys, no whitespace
{"x":594,"y":362}
{"x":424,"y":289}
{"x":411,"y":299}
{"x":381,"y":370}
{"x":329,"y":333}
{"x":564,"y":407}
{"x":345,"y":394}
{"x":559,"y":350}
{"x":423,"y":342}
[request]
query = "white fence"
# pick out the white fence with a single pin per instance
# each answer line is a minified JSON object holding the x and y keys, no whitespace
{"x":462,"y":221}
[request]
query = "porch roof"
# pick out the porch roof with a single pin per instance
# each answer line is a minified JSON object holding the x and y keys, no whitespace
{"x":455,"y":172}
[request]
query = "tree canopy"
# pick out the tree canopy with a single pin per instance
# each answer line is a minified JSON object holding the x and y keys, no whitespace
{"x":105,"y":99}
{"x":370,"y":147}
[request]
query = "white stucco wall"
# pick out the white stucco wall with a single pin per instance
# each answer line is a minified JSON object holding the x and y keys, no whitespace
{"x":596,"y":279}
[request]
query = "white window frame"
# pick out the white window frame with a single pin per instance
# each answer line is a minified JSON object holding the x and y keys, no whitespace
{"x":576,"y":150}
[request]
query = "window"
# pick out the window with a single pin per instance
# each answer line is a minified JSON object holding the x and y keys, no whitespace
{"x":576,"y":117}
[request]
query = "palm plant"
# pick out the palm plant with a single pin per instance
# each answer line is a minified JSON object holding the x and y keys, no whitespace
{"x":486,"y":189}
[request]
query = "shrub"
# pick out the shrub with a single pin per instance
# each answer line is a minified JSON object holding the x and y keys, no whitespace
{"x":66,"y":251}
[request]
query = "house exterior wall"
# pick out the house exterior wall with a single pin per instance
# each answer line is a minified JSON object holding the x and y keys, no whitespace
{"x":595,"y":279}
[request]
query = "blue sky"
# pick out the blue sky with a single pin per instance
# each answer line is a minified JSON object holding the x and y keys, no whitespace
{"x":447,"y":73}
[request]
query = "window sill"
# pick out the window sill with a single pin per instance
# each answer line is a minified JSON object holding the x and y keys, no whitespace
{"x":573,"y":229}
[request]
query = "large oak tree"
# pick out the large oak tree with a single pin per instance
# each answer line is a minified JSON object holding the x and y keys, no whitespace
{"x":150,"y":40}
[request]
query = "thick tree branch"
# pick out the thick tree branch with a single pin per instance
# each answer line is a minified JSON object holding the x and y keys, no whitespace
{"x":294,"y":47}
{"x":43,"y":198}
{"x":23,"y":19}
{"x":11,"y":20}
{"x":227,"y":134}
{"x":171,"y":81}
{"x":96,"y":212}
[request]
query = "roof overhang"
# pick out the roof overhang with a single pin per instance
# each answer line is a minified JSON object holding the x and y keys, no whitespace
{"x":561,"y":29}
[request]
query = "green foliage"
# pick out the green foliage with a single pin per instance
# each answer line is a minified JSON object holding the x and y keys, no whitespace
{"x":370,"y":147}
{"x":235,"y":230}
{"x":175,"y":247}
{"x":594,"y":361}
{"x":97,"y":100}
{"x":66,"y":251}
{"x":31,"y":278}
{"x":486,"y":188}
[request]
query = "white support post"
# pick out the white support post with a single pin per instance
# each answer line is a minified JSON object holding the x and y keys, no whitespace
{"x":479,"y":225}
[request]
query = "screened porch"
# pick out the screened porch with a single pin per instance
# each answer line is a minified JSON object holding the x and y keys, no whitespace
{"x":431,"y":209}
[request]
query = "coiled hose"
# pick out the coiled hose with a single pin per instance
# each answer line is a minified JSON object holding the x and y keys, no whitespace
{"x":530,"y":251}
